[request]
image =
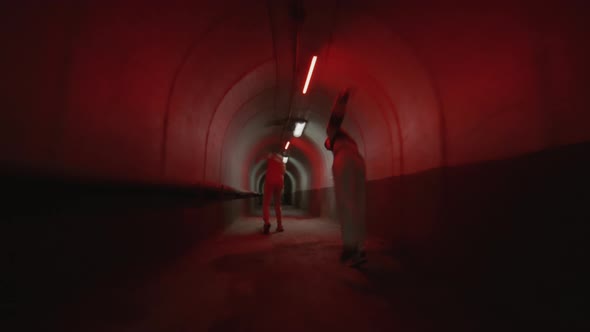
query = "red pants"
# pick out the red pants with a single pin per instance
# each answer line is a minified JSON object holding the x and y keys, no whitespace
{"x":272,"y":190}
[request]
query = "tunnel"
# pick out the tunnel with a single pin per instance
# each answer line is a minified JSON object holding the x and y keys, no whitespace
{"x":133,"y":138}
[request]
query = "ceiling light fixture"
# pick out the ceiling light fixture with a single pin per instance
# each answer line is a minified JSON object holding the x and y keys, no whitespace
{"x":313,"y":60}
{"x":299,"y":126}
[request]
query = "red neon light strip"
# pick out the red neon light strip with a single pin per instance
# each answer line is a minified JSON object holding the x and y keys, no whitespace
{"x":313,"y":60}
{"x":287,"y":145}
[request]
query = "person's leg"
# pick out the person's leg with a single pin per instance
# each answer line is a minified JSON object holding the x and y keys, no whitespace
{"x":277,"y":193}
{"x":359,"y":215}
{"x":266,"y":207}
{"x":349,"y":186}
{"x":359,"y":209}
{"x":344,"y":204}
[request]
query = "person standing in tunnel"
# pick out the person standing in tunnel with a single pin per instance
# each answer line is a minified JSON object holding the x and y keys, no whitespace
{"x":348,"y":170}
{"x":273,"y":188}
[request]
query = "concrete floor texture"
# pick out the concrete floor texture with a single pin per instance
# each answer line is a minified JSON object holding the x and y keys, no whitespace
{"x":244,"y":280}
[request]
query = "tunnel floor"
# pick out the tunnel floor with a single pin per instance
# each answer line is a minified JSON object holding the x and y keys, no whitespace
{"x":243,"y":280}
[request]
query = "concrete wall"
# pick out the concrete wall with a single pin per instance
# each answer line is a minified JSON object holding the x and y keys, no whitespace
{"x":181,"y":92}
{"x":512,"y":232}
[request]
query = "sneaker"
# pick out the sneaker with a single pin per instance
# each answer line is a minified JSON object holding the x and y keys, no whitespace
{"x":280,"y":228}
{"x":266,"y":228}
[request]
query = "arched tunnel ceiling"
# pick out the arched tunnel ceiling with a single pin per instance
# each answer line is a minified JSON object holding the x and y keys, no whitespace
{"x":372,"y":107}
{"x":184,"y":91}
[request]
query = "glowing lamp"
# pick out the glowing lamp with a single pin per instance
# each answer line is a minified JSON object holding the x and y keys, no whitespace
{"x":313,"y":60}
{"x":298,"y":131}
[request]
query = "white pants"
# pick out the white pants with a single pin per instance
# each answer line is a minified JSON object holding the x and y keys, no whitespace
{"x":350,"y":192}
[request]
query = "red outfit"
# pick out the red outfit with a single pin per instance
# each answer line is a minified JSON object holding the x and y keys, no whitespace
{"x":273,"y":187}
